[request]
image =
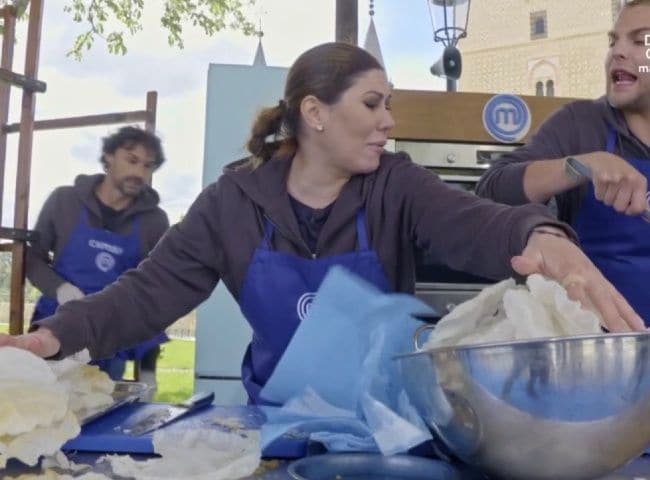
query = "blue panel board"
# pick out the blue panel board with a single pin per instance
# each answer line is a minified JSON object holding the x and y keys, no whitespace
{"x":235,"y":93}
{"x":105,"y":435}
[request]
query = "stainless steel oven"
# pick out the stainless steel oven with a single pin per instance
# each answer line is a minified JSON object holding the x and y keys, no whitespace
{"x":460,"y":165}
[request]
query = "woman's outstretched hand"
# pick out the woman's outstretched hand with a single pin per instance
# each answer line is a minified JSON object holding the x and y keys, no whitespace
{"x":561,"y":260}
{"x":41,"y":342}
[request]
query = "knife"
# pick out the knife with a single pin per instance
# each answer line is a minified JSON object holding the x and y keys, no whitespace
{"x":169,"y":414}
{"x":579,"y":169}
{"x":85,"y":418}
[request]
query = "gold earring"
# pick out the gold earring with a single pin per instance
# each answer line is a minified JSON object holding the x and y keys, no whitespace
{"x":320,"y":128}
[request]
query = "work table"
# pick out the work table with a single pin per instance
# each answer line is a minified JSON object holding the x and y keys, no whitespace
{"x":277,"y":469}
{"x":100,"y":432}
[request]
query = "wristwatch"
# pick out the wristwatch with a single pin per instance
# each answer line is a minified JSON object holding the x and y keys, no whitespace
{"x":575,"y":169}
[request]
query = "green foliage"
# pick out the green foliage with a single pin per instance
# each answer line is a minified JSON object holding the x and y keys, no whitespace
{"x":31,"y":293}
{"x":5,"y":276}
{"x":112,"y":19}
{"x":19,"y":5}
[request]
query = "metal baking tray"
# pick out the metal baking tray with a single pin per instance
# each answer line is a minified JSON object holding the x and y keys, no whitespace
{"x":123,"y":394}
{"x":362,"y":466}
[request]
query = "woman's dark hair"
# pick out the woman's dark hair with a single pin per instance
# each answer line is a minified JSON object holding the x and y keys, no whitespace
{"x":130,"y":137}
{"x":325,"y":71}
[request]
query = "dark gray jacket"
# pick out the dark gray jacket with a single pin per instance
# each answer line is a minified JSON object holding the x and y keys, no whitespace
{"x":578,"y":127}
{"x":405,"y":205}
{"x":61,"y":213}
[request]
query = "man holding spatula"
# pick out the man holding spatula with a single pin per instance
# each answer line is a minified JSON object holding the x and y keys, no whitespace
{"x":592,"y":157}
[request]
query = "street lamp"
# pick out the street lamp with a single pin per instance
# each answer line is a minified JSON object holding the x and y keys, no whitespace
{"x":449,"y":22}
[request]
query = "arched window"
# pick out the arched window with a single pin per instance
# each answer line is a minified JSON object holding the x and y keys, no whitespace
{"x":539,"y":89}
{"x":550,"y":88}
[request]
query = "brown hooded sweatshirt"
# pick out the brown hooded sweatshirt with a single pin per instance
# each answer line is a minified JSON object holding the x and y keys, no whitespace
{"x":405,"y":204}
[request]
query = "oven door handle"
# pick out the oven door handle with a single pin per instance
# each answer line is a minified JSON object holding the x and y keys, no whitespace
{"x":460,"y":178}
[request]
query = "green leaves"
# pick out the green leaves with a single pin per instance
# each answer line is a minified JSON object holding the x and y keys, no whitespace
{"x":211,"y":16}
{"x":20,"y":7}
{"x":111,"y":20}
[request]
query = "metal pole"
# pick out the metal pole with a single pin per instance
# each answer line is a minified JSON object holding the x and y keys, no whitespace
{"x":347,"y":21}
{"x":452,"y":85}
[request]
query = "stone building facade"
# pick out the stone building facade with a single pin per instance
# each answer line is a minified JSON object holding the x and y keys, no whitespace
{"x":537,"y":47}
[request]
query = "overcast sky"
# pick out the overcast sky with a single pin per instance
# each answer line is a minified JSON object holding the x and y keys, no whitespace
{"x":103,"y":83}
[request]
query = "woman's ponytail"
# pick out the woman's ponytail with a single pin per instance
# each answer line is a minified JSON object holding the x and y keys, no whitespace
{"x":267,"y":134}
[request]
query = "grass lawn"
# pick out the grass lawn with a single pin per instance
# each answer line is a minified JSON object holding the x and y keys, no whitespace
{"x":175,"y":370}
{"x":174,"y":386}
{"x":177,"y":354}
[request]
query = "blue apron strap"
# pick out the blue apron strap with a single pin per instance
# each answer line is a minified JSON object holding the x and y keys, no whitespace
{"x":268,"y":233}
{"x":362,"y":235}
{"x":611,"y":140}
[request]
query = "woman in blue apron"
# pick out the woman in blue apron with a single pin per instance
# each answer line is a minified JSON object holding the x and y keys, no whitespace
{"x":275,"y":313}
{"x":92,"y":259}
{"x":322,"y":145}
{"x":618,"y":244}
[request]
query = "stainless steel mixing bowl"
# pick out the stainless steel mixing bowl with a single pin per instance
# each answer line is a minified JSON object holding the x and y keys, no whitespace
{"x":559,"y":408}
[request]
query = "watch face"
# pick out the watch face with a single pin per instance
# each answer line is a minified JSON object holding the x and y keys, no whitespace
{"x":571,"y":170}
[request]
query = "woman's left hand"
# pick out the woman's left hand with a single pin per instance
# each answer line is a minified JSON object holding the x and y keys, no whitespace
{"x":558,"y":258}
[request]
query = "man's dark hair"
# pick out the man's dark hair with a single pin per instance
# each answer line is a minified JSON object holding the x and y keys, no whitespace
{"x":130,"y":137}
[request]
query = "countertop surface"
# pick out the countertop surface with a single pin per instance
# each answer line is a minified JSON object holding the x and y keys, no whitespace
{"x":277,"y":469}
{"x":250,"y":417}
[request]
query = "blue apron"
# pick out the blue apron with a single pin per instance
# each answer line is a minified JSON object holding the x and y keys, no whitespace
{"x":277,"y":292}
{"x":92,"y":259}
{"x":618,"y":244}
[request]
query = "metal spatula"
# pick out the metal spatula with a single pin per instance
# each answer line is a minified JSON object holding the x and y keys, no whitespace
{"x":170,"y":413}
{"x":581,"y":170}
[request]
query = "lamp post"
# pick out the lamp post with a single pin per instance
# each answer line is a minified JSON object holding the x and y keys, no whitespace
{"x":449,"y":22}
{"x":347,"y":16}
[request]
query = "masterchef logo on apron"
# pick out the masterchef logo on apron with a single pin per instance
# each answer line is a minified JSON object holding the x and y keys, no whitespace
{"x":304,"y":304}
{"x":105,"y":261}
{"x":98,"y":244}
